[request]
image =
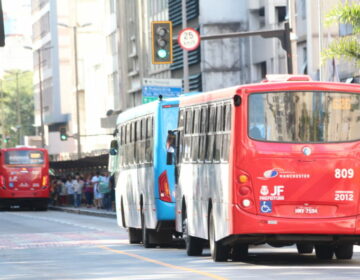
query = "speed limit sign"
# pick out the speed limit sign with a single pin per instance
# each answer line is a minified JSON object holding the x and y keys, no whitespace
{"x":189,"y":39}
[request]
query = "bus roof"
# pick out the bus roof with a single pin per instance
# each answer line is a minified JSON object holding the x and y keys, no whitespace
{"x":24,"y":148}
{"x":144,"y":109}
{"x":269,"y":86}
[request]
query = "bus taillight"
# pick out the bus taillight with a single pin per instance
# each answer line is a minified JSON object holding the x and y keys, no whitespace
{"x":244,"y":193}
{"x":2,"y":182}
{"x":164,"y":189}
{"x":44,"y":181}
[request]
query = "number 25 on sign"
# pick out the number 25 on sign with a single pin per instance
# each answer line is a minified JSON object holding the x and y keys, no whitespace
{"x":189,"y":39}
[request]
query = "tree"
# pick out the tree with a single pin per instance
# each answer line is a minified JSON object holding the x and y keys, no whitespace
{"x":347,"y":47}
{"x":17,"y":82}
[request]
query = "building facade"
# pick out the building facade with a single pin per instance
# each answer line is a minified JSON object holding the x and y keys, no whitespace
{"x":70,"y":38}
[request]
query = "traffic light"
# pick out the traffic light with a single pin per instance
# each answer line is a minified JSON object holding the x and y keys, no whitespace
{"x":161,"y":42}
{"x":63,"y":135}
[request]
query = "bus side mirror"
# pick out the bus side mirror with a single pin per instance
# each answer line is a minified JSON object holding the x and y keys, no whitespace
{"x":170,"y":148}
{"x":114,"y":148}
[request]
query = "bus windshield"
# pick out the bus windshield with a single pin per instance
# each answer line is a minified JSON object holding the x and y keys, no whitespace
{"x":304,"y":116}
{"x":24,"y":157}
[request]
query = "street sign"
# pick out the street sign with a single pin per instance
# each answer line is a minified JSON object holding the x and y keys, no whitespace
{"x":152,"y":88}
{"x":189,"y":39}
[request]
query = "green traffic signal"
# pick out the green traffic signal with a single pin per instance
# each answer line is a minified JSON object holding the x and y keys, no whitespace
{"x":63,"y":134}
{"x":162,"y":53}
{"x":161,"y":42}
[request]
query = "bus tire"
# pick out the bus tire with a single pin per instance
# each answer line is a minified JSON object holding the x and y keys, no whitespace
{"x":145,"y":233}
{"x":219,"y":252}
{"x":194,"y":245}
{"x":324,"y":251}
{"x":135,"y":235}
{"x":304,"y":248}
{"x":344,"y":251}
{"x":240,"y":252}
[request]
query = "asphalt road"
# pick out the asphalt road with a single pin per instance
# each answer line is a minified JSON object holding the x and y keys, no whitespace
{"x":59,"y":245}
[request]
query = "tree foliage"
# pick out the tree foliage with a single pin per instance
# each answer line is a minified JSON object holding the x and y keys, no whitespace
{"x":17,"y":85}
{"x":347,"y":47}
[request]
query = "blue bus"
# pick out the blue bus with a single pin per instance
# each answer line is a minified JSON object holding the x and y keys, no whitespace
{"x":145,"y":183}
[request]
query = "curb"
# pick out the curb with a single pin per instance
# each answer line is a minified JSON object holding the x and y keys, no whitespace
{"x":81,"y":211}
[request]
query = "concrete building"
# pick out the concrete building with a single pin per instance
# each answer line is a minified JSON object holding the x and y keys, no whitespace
{"x":307,"y":18}
{"x":18,"y":34}
{"x":69,"y":36}
{"x":216,"y":63}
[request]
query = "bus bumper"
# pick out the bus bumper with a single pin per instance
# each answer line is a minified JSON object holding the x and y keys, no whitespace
{"x":24,"y":202}
{"x":246,"y":223}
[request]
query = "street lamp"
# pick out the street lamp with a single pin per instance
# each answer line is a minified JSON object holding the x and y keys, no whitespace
{"x":75,"y":28}
{"x":40,"y":93}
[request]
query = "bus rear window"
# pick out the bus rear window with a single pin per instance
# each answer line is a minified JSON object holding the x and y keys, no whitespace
{"x":24,"y":158}
{"x":304,"y":117}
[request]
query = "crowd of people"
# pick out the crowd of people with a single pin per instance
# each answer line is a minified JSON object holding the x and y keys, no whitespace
{"x":91,"y":191}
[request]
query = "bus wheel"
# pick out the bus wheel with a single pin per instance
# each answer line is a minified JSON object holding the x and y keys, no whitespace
{"x":324,"y":252}
{"x":193,"y":245}
{"x":135,"y":235}
{"x":219,"y":252}
{"x":145,"y":234}
{"x":240,"y":252}
{"x":344,"y":251}
{"x":304,"y":248}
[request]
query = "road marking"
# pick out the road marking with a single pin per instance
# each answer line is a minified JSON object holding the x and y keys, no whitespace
{"x":210,"y":275}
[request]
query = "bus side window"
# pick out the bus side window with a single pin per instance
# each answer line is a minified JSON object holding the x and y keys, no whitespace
{"x":195,"y":135}
{"x":148,"y":144}
{"x":180,"y":136}
{"x":127,"y":144}
{"x":227,"y":132}
{"x":132,"y":143}
{"x":137,"y":141}
{"x":219,"y":132}
{"x":187,"y":136}
{"x":203,"y":130}
{"x":143,"y":139}
{"x":152,"y":139}
{"x":211,"y":134}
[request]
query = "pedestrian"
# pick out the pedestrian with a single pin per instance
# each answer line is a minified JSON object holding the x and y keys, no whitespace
{"x":58,"y":189}
{"x":78,"y":184}
{"x":63,"y":192}
{"x":112,"y":186}
{"x":89,"y":191}
{"x":69,"y":190}
{"x":104,"y":188}
{"x":98,"y":196}
{"x":53,"y":191}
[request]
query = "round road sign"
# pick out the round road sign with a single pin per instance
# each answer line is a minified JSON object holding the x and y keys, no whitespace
{"x":189,"y":39}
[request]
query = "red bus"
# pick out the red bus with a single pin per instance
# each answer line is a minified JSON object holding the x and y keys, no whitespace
{"x":24,"y":177}
{"x":275,"y":162}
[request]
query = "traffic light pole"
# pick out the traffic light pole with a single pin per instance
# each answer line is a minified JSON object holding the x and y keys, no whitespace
{"x":282,"y":34}
{"x":185,"y":52}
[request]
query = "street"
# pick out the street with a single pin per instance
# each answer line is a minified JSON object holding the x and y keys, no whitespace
{"x":59,"y":245}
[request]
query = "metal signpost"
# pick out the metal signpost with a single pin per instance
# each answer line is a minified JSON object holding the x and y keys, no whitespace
{"x":152,"y":88}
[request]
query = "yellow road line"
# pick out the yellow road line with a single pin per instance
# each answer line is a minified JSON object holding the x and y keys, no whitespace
{"x":210,"y":275}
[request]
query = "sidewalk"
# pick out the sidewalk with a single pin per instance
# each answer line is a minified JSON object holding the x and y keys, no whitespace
{"x":85,"y":211}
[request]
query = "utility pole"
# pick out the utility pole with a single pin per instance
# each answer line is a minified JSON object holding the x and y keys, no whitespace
{"x":185,"y":52}
{"x":75,"y":28}
{"x":77,"y":93}
{"x":41,"y":102}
